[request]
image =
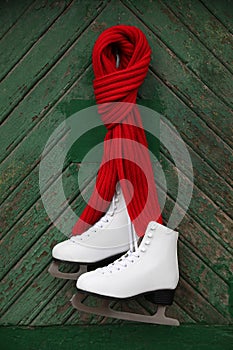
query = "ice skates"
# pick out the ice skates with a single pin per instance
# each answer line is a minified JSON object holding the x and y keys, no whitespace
{"x":107,"y":240}
{"x":150,"y":270}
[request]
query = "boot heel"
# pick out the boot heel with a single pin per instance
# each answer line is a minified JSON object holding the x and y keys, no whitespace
{"x":162,"y":296}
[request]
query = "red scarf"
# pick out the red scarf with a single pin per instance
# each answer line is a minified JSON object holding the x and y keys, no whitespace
{"x":126,"y":153}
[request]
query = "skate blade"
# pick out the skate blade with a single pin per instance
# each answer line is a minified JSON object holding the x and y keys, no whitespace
{"x":105,"y":310}
{"x":55,"y":272}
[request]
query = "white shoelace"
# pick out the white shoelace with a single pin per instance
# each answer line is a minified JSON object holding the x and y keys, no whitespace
{"x":102,"y":221}
{"x":129,"y":257}
{"x":107,"y":216}
{"x":121,"y":263}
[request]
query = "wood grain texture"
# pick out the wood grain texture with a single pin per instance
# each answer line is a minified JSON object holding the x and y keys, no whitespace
{"x":10,"y":12}
{"x":48,"y":79}
{"x":15,"y":43}
{"x":206,"y":27}
{"x":222,"y":11}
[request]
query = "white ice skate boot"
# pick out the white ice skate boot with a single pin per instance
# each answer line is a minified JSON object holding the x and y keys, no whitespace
{"x":151,"y":270}
{"x":102,"y":243}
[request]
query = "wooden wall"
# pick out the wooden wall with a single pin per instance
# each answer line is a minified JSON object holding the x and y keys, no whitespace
{"x":45,"y":70}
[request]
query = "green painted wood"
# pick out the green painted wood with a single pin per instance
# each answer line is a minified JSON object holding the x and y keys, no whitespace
{"x":37,"y":223}
{"x":96,"y":136}
{"x":60,"y":312}
{"x":42,"y":98}
{"x":123,"y":336}
{"x":38,"y":257}
{"x":184,"y":44}
{"x":203,"y":279}
{"x":203,"y":211}
{"x":180,"y":90}
{"x":207,"y":179}
{"x":10,"y":12}
{"x":62,"y":34}
{"x":210,"y":31}
{"x":201,"y":257}
{"x":186,"y":59}
{"x":193,"y":303}
{"x":15,"y":43}
{"x":222,"y":10}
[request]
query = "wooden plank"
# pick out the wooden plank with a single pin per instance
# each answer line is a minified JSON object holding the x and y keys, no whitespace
{"x":32,"y":301}
{"x":33,"y":147}
{"x":58,"y":308}
{"x":196,"y":305}
{"x":15,"y":43}
{"x":204,"y":280}
{"x":60,"y":37}
{"x":206,"y":27}
{"x":96,"y":136}
{"x":202,"y":243}
{"x":197,"y":246}
{"x":37,"y":223}
{"x":39,"y":102}
{"x":126,"y":336}
{"x":207,"y":179}
{"x":184,"y":44}
{"x":33,"y":262}
{"x":60,"y":312}
{"x":222,"y":10}
{"x":181,"y":68}
{"x":20,"y":201}
{"x":24,"y":196}
{"x":201,"y":208}
{"x":10,"y":12}
{"x":193,"y":240}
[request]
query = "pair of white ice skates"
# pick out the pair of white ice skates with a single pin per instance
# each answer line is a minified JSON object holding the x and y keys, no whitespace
{"x":149,"y":269}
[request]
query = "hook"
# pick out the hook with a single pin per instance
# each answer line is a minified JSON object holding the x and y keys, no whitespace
{"x":117,"y":60}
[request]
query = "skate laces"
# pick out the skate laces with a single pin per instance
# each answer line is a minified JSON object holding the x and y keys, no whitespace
{"x":121,"y":263}
{"x":109,"y":214}
{"x":129,"y":257}
{"x":105,"y":219}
